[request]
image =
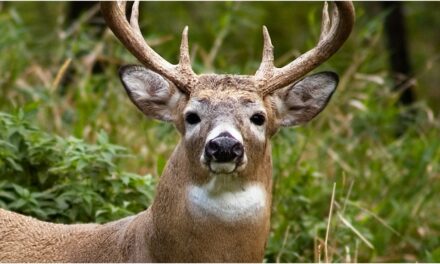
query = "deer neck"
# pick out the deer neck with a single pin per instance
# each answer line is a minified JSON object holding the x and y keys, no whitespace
{"x":197,"y":217}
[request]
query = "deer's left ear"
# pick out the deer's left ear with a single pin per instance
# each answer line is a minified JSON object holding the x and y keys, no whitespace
{"x":302,"y":101}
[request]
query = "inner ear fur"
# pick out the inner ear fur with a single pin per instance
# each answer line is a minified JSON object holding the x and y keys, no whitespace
{"x":301,"y":102}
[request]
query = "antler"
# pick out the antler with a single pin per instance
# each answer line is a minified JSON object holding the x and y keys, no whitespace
{"x":130,"y":35}
{"x":334,"y":32}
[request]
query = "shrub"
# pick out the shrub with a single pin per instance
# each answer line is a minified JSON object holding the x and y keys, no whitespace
{"x":65,"y":179}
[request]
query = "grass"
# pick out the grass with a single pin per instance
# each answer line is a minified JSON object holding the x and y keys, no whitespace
{"x":384,"y":159}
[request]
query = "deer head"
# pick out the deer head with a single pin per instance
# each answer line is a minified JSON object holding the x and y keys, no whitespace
{"x":226,"y":120}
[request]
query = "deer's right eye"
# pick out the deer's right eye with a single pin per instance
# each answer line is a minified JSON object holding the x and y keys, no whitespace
{"x":258,"y":119}
{"x":192,"y":118}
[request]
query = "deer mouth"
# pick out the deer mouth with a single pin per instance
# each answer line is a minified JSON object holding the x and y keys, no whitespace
{"x":216,"y":167}
{"x":225,"y":167}
{"x":222,"y":167}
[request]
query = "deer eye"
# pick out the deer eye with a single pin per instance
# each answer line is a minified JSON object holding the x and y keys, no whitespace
{"x":258,"y":119}
{"x":192,"y":118}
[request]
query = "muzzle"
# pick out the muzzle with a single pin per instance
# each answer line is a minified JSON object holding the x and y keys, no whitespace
{"x":224,"y":153}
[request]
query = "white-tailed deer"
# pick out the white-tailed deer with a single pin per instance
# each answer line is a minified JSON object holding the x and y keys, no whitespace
{"x":214,"y":198}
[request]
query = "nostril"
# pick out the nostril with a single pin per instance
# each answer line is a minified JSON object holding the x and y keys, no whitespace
{"x":211,"y":149}
{"x":238,"y":150}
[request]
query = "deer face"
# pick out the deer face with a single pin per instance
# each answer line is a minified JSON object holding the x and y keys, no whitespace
{"x":225,"y":123}
{"x":232,"y":124}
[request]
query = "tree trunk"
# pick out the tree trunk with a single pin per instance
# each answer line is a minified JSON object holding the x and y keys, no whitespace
{"x":399,"y":60}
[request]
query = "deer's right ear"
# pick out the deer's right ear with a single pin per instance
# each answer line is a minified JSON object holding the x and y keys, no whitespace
{"x":151,"y":93}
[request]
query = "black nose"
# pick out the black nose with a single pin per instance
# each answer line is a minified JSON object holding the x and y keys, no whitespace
{"x":224,"y":148}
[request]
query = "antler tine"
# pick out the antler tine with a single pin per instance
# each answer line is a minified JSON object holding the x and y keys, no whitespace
{"x":334,"y":33}
{"x":266,"y":66}
{"x":131,"y":36}
{"x":122,"y":5}
{"x":134,"y":18}
{"x":185,"y":61}
{"x":326,"y":22}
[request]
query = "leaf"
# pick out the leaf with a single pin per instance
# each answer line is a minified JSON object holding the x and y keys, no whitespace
{"x":352,"y":228}
{"x":14,"y":164}
{"x":22,"y":192}
{"x":39,"y":213}
{"x":17,"y":204}
{"x":102,"y":138}
{"x":42,"y":177}
{"x":7,"y":195}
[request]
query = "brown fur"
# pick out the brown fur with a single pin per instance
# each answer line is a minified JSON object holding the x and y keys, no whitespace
{"x":165,"y":232}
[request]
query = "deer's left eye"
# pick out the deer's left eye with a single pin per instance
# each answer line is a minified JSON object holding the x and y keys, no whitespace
{"x":258,"y":119}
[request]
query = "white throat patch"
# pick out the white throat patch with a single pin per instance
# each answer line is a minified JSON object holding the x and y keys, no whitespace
{"x":227,"y":199}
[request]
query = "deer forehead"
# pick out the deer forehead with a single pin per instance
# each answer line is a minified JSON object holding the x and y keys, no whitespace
{"x":237,"y":90}
{"x":226,"y":82}
{"x":225,"y":98}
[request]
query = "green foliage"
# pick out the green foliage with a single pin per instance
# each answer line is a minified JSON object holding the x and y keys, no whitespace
{"x":384,"y":158}
{"x":386,"y":187}
{"x":65,"y":180}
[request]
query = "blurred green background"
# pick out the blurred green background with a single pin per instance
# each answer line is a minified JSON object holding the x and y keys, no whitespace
{"x":74,"y":149}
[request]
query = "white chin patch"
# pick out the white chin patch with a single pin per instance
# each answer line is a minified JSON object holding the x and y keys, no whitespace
{"x":222,"y":167}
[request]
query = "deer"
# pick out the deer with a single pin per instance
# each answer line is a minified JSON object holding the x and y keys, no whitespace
{"x":213,"y":199}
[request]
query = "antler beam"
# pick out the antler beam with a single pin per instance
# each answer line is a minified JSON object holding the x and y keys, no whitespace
{"x":334,"y":32}
{"x":128,"y":32}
